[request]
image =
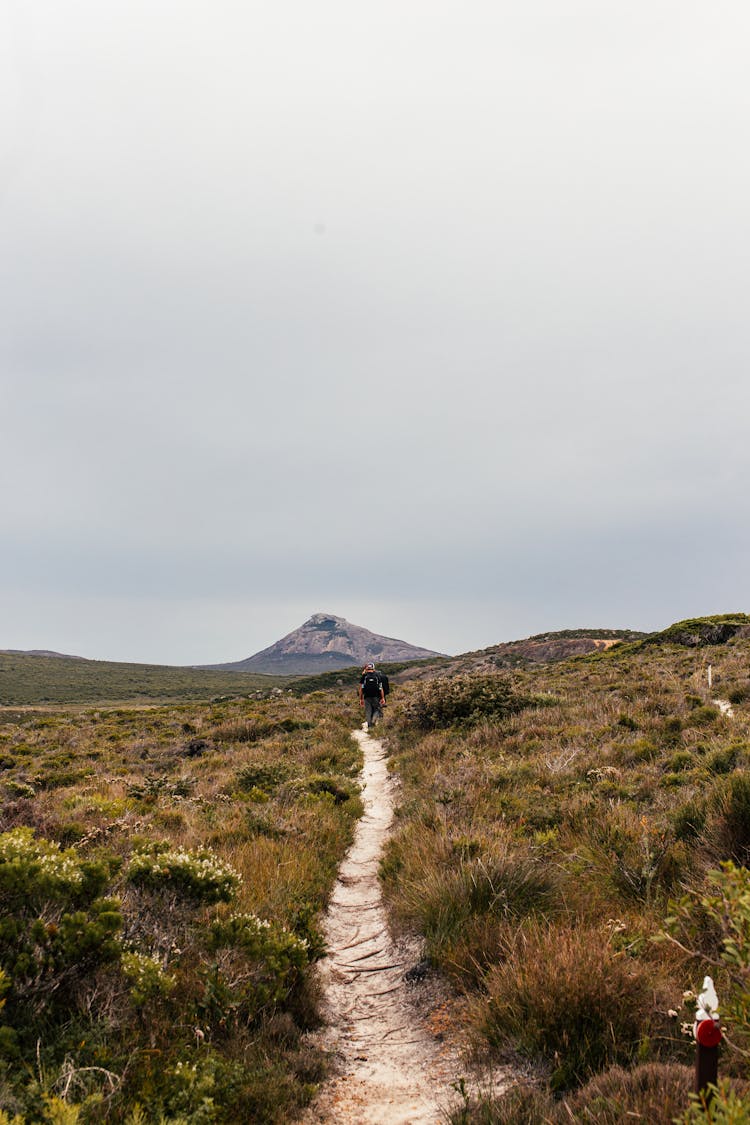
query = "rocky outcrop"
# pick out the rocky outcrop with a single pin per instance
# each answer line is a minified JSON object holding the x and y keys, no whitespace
{"x":548,"y":648}
{"x":699,"y":631}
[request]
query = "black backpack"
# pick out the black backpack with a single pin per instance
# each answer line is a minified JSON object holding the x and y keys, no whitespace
{"x":371,"y":684}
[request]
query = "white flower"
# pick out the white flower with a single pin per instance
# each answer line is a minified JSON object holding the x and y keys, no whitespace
{"x":708,"y":1002}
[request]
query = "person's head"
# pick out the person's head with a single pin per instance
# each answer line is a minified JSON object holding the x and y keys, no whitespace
{"x":369,"y":667}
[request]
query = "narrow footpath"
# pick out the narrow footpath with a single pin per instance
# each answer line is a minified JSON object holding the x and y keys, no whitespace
{"x":393,"y":1067}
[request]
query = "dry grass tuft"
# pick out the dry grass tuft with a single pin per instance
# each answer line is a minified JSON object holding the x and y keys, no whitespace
{"x":564,"y":996}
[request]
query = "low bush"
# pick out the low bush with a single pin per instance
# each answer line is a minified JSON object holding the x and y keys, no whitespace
{"x":459,"y":909}
{"x":723,"y":760}
{"x":261,"y":775}
{"x":727,"y":831}
{"x":252,"y":728}
{"x":258,"y":963}
{"x":627,"y":855}
{"x":653,"y":1092}
{"x":637,"y":752}
{"x":682,"y":760}
{"x":55,"y":927}
{"x":567,"y":1000}
{"x":140,"y":978}
{"x":671,"y":730}
{"x":704,"y":716}
{"x":521,"y":1105}
{"x":713,"y":925}
{"x":689,"y":819}
{"x":463,"y":700}
{"x":200,"y":875}
{"x":717,"y":1106}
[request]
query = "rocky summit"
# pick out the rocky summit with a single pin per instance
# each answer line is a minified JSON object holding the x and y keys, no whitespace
{"x":326,"y":642}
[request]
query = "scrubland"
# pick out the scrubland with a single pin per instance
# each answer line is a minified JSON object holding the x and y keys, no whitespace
{"x":559,"y":846}
{"x":162,"y":872}
{"x":571,"y":844}
{"x":29,"y":680}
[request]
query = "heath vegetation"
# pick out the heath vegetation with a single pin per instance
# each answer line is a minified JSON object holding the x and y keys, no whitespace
{"x":162,"y":872}
{"x":571,"y":844}
{"x":26,"y":680}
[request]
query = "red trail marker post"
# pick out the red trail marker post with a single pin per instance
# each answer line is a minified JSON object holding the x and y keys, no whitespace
{"x":707,"y":1032}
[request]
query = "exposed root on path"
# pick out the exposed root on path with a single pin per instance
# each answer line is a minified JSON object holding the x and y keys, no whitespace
{"x":393,"y":1068}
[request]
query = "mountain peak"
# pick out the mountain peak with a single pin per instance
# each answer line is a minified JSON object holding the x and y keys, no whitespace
{"x":325,"y":642}
{"x":325,"y":619}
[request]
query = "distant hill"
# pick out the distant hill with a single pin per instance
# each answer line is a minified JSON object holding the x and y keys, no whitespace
{"x":544,"y":648}
{"x":30,"y":679}
{"x":553,"y":647}
{"x":697,"y":632}
{"x":325,"y":643}
{"x":39,"y":652}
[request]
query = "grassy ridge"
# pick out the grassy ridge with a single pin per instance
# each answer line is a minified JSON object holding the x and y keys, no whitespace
{"x":547,"y":820}
{"x":46,"y":679}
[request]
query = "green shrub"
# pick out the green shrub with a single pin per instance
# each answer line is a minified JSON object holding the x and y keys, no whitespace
{"x":688,"y":820}
{"x":251,"y":729}
{"x":703,"y":716}
{"x":723,"y":760}
{"x":200,"y":875}
{"x":55,"y":928}
{"x":340,"y":791}
{"x":673,"y":780}
{"x":682,"y":760}
{"x":463,"y":700}
{"x":642,"y":750}
{"x":33,"y":871}
{"x":717,"y":1106}
{"x":671,"y":731}
{"x":725,"y":907}
{"x":19,"y":789}
{"x":147,"y":978}
{"x":264,"y":961}
{"x":262,"y":775}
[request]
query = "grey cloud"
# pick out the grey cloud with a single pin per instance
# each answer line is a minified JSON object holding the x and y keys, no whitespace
{"x":452,"y":292}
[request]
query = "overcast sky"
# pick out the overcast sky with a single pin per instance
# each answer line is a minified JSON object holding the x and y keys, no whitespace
{"x":433,"y":315}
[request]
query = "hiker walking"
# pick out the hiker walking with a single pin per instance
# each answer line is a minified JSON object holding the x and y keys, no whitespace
{"x":371,"y":695}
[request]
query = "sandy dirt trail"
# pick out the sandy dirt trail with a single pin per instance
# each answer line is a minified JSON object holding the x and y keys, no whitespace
{"x":392,"y":1070}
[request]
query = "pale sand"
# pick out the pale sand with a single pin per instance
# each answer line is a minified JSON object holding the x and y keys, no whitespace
{"x":394,"y":1068}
